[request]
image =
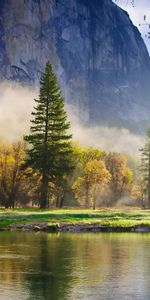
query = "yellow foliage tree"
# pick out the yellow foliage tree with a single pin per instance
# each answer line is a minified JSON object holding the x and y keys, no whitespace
{"x":94,"y":179}
{"x":11,"y":158}
{"x":121,"y":176}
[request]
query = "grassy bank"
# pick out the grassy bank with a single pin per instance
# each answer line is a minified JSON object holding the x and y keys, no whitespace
{"x":109,"y":218}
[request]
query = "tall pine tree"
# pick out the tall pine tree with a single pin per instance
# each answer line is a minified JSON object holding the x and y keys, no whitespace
{"x":145,"y":164}
{"x":49,"y":150}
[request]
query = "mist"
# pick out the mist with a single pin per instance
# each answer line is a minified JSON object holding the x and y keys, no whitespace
{"x":107,"y":138}
{"x":16,"y":104}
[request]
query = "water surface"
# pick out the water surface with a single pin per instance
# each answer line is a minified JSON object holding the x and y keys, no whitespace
{"x":74,"y":266}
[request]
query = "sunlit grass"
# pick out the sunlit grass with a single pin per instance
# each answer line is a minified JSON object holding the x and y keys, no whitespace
{"x":104,"y":217}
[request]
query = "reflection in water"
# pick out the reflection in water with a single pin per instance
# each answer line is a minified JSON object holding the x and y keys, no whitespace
{"x":53,"y":267}
{"x":74,"y":266}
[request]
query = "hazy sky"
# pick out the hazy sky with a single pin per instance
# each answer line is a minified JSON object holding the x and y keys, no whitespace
{"x":141,"y":8}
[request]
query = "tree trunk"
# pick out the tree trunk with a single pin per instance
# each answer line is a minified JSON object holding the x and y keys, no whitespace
{"x":44,"y":185}
{"x":60,"y":201}
{"x":94,"y":199}
{"x":57,"y":202}
{"x":13,"y":195}
{"x":94,"y":203}
{"x":44,"y":191}
{"x":12,"y":200}
{"x":87,"y":196}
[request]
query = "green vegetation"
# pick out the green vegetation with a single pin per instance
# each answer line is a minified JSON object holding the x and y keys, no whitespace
{"x":49,"y":152}
{"x":49,"y":170}
{"x":109,"y":218}
{"x":145,"y":167}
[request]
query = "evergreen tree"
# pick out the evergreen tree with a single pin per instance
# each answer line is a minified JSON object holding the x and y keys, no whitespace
{"x":50,"y":149}
{"x":145,"y":164}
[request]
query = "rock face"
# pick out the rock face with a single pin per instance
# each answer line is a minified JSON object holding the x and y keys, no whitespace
{"x":100,"y":58}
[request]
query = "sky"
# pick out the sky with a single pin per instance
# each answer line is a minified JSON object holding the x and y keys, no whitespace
{"x":137,"y":12}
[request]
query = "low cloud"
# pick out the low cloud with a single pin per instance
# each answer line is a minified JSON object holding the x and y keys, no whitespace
{"x":107,"y":138}
{"x":16,"y":104}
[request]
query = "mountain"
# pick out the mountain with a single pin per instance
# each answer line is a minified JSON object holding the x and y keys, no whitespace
{"x":99,"y":56}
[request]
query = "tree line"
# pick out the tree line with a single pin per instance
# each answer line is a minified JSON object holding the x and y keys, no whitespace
{"x":97,"y":178}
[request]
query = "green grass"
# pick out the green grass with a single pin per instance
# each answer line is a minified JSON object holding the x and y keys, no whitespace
{"x":121,"y":218}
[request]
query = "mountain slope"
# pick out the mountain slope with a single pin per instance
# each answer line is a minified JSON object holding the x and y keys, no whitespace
{"x":100,"y":58}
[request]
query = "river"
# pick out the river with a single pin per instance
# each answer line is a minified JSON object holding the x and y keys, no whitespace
{"x":88,"y":266}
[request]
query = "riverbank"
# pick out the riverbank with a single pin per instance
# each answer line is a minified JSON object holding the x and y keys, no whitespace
{"x":44,"y":227}
{"x":104,"y":220}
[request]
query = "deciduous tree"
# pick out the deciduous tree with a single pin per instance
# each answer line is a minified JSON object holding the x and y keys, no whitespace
{"x":121,"y":176}
{"x":145,"y":164}
{"x":11,"y":174}
{"x":94,"y":179}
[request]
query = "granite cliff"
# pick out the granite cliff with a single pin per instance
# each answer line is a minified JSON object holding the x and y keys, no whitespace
{"x":97,"y":53}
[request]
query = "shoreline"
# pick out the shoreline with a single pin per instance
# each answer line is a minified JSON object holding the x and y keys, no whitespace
{"x":75,"y":220}
{"x":76,"y":228}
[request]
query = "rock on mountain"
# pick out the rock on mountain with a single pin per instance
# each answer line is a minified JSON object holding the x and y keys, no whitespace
{"x":97,"y":53}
